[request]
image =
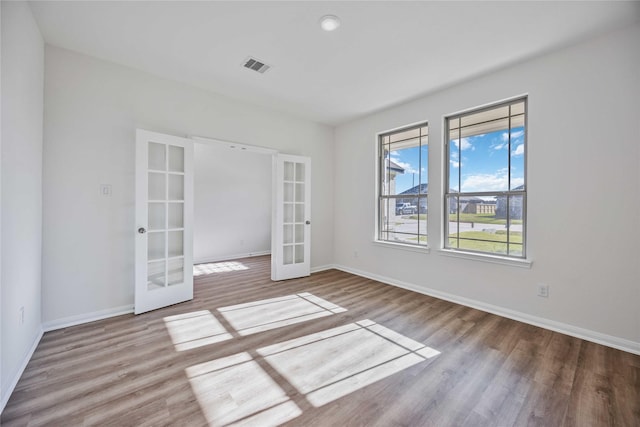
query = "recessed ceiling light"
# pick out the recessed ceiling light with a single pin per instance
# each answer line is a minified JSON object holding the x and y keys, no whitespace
{"x":329,"y":22}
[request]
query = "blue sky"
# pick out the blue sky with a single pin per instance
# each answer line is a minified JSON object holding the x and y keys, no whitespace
{"x":482,"y":162}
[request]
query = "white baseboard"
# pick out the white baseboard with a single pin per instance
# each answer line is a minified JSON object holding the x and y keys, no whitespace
{"x":322,"y":268}
{"x":6,"y":394}
{"x":563,"y":328}
{"x":79,"y":319}
{"x":230,"y":257}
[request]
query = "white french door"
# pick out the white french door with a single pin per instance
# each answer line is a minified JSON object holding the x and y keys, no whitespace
{"x":291,"y":229}
{"x":164,"y":213}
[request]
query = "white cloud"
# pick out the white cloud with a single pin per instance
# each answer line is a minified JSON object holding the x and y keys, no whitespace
{"x":454,"y":164}
{"x":463,"y":144}
{"x":516,"y":182}
{"x":485,"y":182}
{"x":519,"y":151}
{"x":514,"y":135}
{"x":406,"y":166}
{"x":490,"y":182}
{"x":499,"y":146}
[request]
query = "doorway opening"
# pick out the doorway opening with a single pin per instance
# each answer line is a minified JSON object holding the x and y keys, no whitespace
{"x":232,"y":201}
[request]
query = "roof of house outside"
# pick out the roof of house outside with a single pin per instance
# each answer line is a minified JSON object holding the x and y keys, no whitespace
{"x":395,"y":167}
{"x":418,"y":189}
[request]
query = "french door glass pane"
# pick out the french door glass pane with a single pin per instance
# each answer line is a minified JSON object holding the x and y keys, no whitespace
{"x":155,"y":245}
{"x":293,"y":213}
{"x":155,"y":275}
{"x":176,"y":245}
{"x":288,"y":171}
{"x":176,"y":215}
{"x":288,"y":212}
{"x":299,"y":172}
{"x":288,"y":192}
{"x":175,"y":271}
{"x":156,"y":216}
{"x":176,"y":187}
{"x":176,"y":159}
{"x":299,"y":254}
{"x":299,"y":233}
{"x":157,"y":190}
{"x":157,"y":160}
{"x":299,"y":193}
{"x":287,"y":233}
{"x":287,"y":255}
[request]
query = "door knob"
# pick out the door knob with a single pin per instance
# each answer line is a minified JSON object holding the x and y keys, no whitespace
{"x":141,"y":230}
{"x":307,"y":222}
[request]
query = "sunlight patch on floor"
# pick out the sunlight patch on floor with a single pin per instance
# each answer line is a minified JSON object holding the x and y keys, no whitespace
{"x":218,"y":267}
{"x":264,"y":315}
{"x":331,"y":364}
{"x":322,"y":366}
{"x":236,"y":390}
{"x":195,"y":329}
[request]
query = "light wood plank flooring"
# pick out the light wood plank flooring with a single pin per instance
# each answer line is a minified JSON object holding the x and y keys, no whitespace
{"x":332,"y":349}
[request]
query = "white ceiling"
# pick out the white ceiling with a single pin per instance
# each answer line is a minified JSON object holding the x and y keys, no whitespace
{"x":385,"y":52}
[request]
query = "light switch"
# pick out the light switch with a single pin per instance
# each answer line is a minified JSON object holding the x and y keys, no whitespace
{"x":105,"y":190}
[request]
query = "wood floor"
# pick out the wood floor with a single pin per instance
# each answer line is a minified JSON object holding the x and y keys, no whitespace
{"x":332,"y":349}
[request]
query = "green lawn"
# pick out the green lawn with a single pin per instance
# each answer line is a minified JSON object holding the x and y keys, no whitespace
{"x":482,"y":219}
{"x":488,"y":242}
{"x":419,"y":217}
{"x":475,"y":218}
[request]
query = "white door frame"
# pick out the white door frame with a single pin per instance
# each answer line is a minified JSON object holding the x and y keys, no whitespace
{"x":277,"y":271}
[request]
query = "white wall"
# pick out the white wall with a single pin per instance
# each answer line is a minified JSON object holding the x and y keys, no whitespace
{"x":22,"y":105}
{"x":232,"y":203}
{"x":584,"y":192}
{"x":2,"y":398}
{"x":92,"y":109}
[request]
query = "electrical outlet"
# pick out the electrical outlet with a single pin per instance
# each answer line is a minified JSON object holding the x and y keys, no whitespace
{"x":543,"y":290}
{"x":22,"y":315}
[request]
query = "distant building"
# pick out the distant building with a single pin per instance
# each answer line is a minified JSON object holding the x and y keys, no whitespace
{"x":394,"y":170}
{"x":515,"y":206}
{"x":421,"y":202}
{"x":473,"y":205}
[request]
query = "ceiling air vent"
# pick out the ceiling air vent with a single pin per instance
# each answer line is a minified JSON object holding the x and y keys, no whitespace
{"x":256,"y":65}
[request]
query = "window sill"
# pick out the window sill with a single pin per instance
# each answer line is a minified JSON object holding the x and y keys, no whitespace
{"x":403,"y":246}
{"x":494,"y":259}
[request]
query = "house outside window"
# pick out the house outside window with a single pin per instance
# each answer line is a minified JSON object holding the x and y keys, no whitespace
{"x":485,"y":180}
{"x":402,"y":185}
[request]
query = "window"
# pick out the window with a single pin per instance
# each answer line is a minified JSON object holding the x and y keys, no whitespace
{"x":485,"y":189}
{"x":402,"y":189}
